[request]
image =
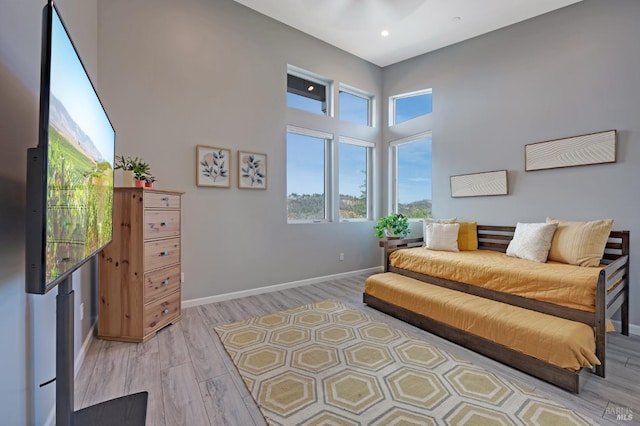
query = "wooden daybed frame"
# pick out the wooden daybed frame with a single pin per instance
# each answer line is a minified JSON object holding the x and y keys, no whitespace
{"x":612,"y":294}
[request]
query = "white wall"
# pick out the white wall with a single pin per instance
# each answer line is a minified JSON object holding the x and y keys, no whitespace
{"x":570,"y":72}
{"x":28,"y":327}
{"x":178,"y":74}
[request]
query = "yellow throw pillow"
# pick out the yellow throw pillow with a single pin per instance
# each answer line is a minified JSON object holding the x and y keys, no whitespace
{"x":468,"y":236}
{"x":579,"y":243}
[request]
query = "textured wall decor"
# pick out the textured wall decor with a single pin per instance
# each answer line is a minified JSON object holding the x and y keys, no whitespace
{"x":479,"y":184}
{"x":594,"y":148}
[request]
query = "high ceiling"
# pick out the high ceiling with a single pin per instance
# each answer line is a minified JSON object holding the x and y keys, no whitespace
{"x":414,"y":26}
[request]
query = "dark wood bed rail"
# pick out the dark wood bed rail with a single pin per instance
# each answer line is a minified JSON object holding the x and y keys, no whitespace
{"x":612,"y":290}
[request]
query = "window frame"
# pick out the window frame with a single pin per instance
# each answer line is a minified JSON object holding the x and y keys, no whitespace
{"x":393,"y":167}
{"x":329,"y":155}
{"x":392,"y":104}
{"x":314,"y":78}
{"x":370,"y":161}
{"x":360,"y":94}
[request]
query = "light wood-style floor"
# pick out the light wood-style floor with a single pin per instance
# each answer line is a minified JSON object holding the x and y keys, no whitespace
{"x":191,"y":380}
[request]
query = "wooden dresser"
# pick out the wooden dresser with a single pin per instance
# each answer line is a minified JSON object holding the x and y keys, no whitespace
{"x":139,"y":272}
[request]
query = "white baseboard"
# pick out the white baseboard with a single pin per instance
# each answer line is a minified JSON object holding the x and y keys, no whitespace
{"x":84,"y":349}
{"x":79,"y":359}
{"x":51,"y":419}
{"x":633,"y":329}
{"x":277,"y":287}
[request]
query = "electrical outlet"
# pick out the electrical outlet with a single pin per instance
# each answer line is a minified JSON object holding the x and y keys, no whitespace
{"x":341,"y":256}
{"x":182,"y":277}
{"x":81,"y":311}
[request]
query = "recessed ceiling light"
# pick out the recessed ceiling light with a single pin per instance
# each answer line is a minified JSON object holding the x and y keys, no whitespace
{"x":310,"y":88}
{"x":384,"y":33}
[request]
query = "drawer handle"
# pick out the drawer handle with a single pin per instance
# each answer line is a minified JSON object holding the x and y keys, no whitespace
{"x":165,"y":198}
{"x":163,"y":223}
{"x":165,"y":312}
{"x":165,"y":282}
{"x":164,"y":253}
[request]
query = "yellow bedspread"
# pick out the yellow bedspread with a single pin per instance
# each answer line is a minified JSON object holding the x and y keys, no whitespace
{"x":553,"y":282}
{"x":567,"y":344}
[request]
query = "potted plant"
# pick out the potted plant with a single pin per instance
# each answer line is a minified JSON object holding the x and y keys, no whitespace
{"x":140,"y":171}
{"x":149,"y":180}
{"x":395,"y":225}
{"x":132,"y":168}
{"x":125,"y":164}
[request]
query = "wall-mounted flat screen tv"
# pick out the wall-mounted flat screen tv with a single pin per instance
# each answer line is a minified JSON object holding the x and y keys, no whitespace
{"x":70,"y":172}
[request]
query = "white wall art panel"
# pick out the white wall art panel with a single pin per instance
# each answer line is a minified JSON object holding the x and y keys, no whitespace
{"x":479,"y":184}
{"x":594,"y":148}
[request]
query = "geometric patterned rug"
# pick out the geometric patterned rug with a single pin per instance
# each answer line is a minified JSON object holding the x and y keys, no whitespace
{"x":328,"y":364}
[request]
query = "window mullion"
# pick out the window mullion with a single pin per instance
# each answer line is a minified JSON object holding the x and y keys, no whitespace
{"x":329,"y":180}
{"x":370,"y":163}
{"x":394,"y":186}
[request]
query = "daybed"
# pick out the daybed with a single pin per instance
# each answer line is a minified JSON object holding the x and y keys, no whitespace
{"x":549,"y":330}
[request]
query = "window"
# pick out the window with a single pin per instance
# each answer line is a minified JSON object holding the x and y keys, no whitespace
{"x":328,"y":179}
{"x":354,"y":178}
{"x":308,"y":91}
{"x":411,"y":166}
{"x":308,"y":175}
{"x":355,"y":105}
{"x":409,"y":105}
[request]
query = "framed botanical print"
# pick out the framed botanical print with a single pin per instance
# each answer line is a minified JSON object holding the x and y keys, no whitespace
{"x":213,"y":166}
{"x":252,"y":170}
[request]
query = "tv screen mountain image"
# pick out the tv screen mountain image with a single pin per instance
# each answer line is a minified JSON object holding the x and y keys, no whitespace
{"x":80,"y":156}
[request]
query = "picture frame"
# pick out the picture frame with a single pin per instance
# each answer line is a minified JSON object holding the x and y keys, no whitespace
{"x":582,"y":150}
{"x":252,"y":170}
{"x":213,"y":166}
{"x":479,"y":184}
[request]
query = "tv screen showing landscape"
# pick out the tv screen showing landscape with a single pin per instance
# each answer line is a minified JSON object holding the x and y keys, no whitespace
{"x":77,"y":144}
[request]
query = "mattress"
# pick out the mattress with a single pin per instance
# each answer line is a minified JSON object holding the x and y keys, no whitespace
{"x":554,"y":282}
{"x":561,"y":342}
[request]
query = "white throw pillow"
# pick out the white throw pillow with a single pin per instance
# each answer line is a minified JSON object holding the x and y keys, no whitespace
{"x":532,"y":241}
{"x":441,"y":236}
{"x":434,"y":220}
{"x":426,"y":221}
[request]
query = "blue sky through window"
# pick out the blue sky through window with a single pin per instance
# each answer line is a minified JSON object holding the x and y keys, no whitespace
{"x":305,"y":164}
{"x":354,"y":108}
{"x":307,"y":104}
{"x":353,"y":169}
{"x":414,"y":171}
{"x":407,"y":108}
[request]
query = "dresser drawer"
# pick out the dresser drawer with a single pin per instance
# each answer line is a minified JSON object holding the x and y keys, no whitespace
{"x":159,"y":283}
{"x":161,"y":312}
{"x":161,"y":200}
{"x":161,"y":253}
{"x":161,"y":223}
